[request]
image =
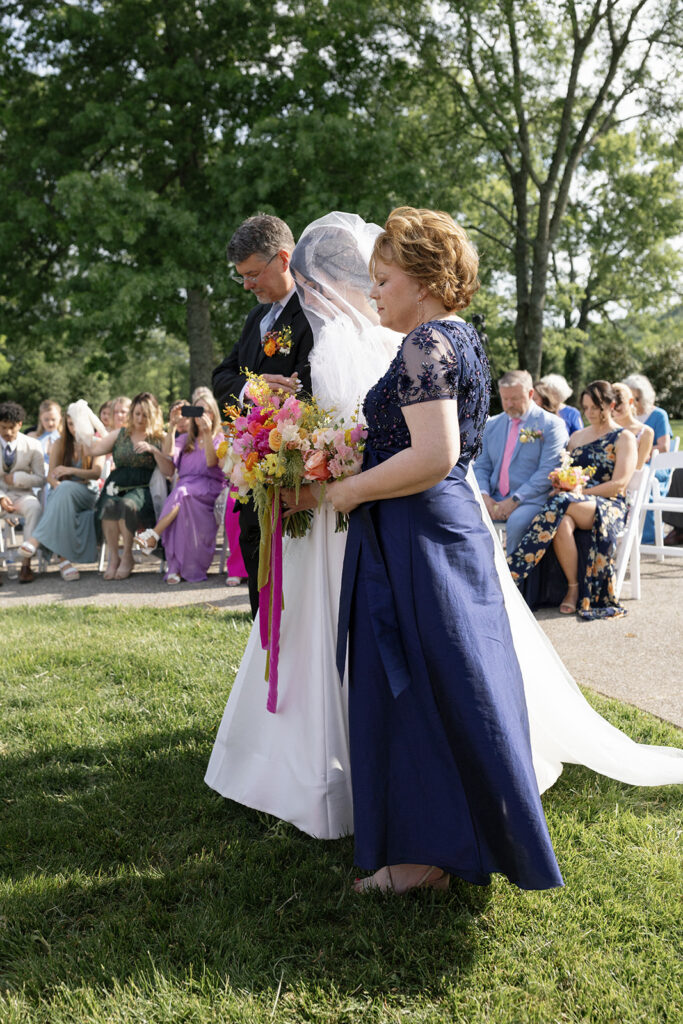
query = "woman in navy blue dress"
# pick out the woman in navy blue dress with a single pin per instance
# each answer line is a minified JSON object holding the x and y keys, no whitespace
{"x":441,"y":766}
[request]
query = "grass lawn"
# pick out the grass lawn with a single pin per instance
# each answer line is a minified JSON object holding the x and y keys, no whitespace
{"x":130,"y":892}
{"x":677,"y":428}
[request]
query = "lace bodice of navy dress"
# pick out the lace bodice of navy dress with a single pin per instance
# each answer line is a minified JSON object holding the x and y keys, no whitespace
{"x":442,"y":359}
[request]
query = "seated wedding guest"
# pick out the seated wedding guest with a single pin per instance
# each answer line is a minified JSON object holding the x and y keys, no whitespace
{"x":624,"y":415}
{"x":552,"y":558}
{"x":547,"y":397}
{"x":570,"y":415}
{"x":520,"y":447}
{"x":106,"y":415}
{"x":674,"y":519}
{"x":125,"y":503}
{"x":120,"y":409}
{"x":49,"y":427}
{"x":187,"y":521}
{"x":652,"y":416}
{"x":67,"y":527}
{"x":21,"y":469}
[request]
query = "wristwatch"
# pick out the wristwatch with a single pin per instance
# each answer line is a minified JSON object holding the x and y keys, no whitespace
{"x":516,"y":498}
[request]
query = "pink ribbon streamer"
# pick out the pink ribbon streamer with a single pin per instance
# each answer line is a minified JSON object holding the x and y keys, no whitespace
{"x":270,"y":608}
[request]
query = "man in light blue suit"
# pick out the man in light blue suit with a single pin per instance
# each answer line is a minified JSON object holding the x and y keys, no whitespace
{"x":520,"y":448}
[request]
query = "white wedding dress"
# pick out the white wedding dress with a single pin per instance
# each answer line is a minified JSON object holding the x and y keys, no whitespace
{"x":294,"y":764}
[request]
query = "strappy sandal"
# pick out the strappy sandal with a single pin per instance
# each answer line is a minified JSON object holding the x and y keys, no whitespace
{"x":567,"y":608}
{"x":68,"y":571}
{"x":140,"y":539}
{"x":173,"y":578}
{"x":369,"y":884}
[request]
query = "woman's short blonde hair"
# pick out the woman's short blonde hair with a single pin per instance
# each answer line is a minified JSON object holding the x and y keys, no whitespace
{"x":429,"y":246}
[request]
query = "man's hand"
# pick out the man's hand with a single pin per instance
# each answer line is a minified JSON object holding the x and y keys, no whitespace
{"x":6,"y":504}
{"x":503,"y":509}
{"x":277,"y":382}
{"x":489,"y":504}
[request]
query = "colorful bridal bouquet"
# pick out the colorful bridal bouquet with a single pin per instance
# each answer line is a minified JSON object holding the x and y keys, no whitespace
{"x":280,"y":441}
{"x":568,"y":477}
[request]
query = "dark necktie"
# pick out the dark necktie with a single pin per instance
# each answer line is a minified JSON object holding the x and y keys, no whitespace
{"x":8,"y":458}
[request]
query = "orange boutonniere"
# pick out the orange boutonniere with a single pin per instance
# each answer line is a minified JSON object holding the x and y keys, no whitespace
{"x":278,"y":341}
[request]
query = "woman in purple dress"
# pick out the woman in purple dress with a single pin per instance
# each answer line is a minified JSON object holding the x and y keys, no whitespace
{"x":187,"y":521}
{"x":441,"y":767}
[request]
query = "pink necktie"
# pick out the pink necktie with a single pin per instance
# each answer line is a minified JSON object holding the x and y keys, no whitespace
{"x":503,"y":479}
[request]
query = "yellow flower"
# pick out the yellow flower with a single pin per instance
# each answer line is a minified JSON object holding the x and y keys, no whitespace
{"x":222,"y":450}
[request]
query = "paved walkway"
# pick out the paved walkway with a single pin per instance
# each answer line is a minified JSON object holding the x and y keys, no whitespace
{"x":637,"y":659}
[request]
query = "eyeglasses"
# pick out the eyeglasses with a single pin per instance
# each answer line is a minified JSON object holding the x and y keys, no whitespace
{"x":251,"y":278}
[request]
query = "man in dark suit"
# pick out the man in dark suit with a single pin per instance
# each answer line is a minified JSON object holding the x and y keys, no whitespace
{"x":260,"y":249}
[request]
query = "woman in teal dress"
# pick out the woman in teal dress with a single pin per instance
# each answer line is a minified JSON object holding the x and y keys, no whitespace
{"x":125,"y":504}
{"x":571,"y":544}
{"x":67,"y":527}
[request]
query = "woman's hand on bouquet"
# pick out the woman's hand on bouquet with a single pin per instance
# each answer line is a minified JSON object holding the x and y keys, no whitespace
{"x":340,"y":494}
{"x":309,"y":498}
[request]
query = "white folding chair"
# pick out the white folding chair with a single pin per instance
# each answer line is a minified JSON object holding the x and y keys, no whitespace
{"x":659,"y":503}
{"x":628,"y":548}
{"x":7,"y":526}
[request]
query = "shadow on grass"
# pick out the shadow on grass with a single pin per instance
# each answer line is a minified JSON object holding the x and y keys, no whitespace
{"x":117,"y":859}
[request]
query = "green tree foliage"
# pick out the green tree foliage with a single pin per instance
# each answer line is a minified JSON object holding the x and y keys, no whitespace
{"x":136,"y":135}
{"x":529,"y":92}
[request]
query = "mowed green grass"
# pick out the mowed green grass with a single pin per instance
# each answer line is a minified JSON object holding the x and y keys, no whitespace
{"x":130,"y":892}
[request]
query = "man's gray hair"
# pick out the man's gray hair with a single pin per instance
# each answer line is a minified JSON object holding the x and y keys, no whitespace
{"x":262,"y":235}
{"x":513,"y":377}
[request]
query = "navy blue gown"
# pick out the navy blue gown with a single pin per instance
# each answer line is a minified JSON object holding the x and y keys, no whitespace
{"x":440,"y":754}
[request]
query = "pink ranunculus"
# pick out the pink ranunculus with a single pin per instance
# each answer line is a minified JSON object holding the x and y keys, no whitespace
{"x":241,"y":423}
{"x":315,"y":466}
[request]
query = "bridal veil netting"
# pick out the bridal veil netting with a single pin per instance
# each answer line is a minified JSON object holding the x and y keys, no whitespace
{"x":295,"y":764}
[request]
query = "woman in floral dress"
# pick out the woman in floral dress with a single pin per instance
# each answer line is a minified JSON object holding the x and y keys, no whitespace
{"x":553,"y":557}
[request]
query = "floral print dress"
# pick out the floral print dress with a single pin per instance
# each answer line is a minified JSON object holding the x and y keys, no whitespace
{"x":597,"y":546}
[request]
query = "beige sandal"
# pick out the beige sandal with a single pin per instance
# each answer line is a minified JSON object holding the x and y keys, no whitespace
{"x":369,"y":884}
{"x":567,"y":608}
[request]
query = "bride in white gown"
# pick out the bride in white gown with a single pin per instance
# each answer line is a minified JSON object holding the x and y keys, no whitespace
{"x":294,"y":764}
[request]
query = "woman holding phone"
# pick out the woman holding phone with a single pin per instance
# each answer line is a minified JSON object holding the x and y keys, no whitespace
{"x":187,"y":521}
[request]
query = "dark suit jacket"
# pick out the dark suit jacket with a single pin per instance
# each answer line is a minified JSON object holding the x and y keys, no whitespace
{"x":228,"y":380}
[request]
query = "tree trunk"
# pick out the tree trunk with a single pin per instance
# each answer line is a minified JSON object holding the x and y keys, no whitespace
{"x":199,"y":338}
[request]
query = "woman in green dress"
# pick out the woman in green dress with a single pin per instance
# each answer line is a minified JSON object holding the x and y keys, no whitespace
{"x":125,"y":504}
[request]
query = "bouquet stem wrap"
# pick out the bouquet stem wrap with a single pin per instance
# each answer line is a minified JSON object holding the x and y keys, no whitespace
{"x":270,"y":590}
